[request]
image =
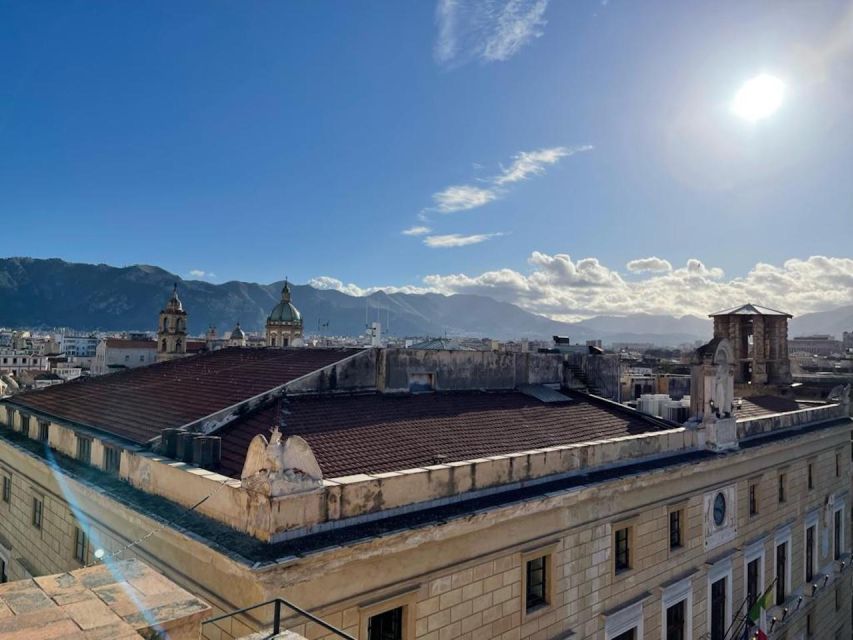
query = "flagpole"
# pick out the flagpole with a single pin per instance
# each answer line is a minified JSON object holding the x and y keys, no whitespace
{"x":746,"y":620}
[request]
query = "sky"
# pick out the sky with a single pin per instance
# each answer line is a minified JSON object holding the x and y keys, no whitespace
{"x":576,"y":158}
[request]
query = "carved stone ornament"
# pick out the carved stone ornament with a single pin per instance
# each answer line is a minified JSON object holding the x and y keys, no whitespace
{"x":275,"y":468}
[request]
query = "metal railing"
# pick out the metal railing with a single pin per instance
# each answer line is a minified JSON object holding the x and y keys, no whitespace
{"x":276,"y":626}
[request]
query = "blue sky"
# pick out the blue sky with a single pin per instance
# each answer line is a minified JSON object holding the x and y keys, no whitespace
{"x":544,"y":144}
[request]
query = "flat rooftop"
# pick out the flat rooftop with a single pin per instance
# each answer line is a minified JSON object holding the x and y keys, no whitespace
{"x":375,"y":433}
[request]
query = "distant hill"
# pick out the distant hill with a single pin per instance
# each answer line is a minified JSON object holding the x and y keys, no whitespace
{"x":834,"y":323}
{"x":54,"y":293}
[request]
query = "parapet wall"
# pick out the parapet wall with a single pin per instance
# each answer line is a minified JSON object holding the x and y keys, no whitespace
{"x":751,"y":427}
{"x":464,"y":370}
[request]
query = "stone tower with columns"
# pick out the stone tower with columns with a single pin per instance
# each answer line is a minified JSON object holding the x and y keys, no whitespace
{"x":759,"y":343}
{"x":284,"y":324}
{"x":172,"y":329}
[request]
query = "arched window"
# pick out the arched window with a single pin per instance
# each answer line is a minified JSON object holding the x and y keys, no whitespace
{"x":284,"y":342}
{"x":178,"y":345}
{"x":272,"y":341}
{"x":163,"y":347}
{"x":165,"y":323}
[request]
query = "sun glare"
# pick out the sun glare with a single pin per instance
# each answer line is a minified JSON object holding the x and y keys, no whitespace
{"x":759,"y":98}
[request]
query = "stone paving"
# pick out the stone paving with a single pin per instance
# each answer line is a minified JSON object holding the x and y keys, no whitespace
{"x":118,"y":602}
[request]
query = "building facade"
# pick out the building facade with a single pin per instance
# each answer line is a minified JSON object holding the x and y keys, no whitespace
{"x":485,"y":504}
{"x":117,"y":354}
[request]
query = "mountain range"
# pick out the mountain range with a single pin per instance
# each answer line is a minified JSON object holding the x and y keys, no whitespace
{"x":52,"y":293}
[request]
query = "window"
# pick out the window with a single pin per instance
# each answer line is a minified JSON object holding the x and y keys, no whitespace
{"x":837,"y":465}
{"x":675,"y":621}
{"x":38,"y":512}
{"x":782,"y":481}
{"x":622,"y":551}
{"x":752,"y":582}
{"x":7,"y":489}
{"x":838,"y":532}
{"x":386,"y":626}
{"x":718,"y":609}
{"x":4,"y":577}
{"x":536,"y":594}
{"x":753,"y":498}
{"x":25,"y":425}
{"x":625,"y":624}
{"x":84,"y":450}
{"x":809,"y":626}
{"x":810,"y":554}
{"x":781,"y":572}
{"x":811,"y":476}
{"x":44,"y":431}
{"x":81,"y":545}
{"x":676,"y":539}
{"x":112,"y":459}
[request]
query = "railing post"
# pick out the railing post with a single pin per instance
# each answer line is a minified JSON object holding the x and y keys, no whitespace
{"x":276,"y":624}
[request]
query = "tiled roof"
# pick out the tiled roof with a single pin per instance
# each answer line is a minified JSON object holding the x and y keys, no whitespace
{"x":750,"y":309}
{"x":376,"y":433}
{"x":138,"y":403}
{"x":121,"y":343}
{"x":765,"y":405}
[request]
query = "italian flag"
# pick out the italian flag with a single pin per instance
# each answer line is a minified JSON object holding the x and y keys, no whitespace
{"x":758,"y":618}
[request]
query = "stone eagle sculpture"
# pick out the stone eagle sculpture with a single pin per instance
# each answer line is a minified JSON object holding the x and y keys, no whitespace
{"x":275,"y":468}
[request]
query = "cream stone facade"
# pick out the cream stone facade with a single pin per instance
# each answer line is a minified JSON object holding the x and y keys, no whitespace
{"x":458,"y":549}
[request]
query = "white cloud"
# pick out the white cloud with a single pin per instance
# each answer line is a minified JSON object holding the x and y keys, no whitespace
{"x":486,"y":30}
{"x":416,"y":231}
{"x":525,"y":164}
{"x":462,"y":197}
{"x":457,"y":240}
{"x":567,"y":289}
{"x":199,"y":273}
{"x":329,"y":283}
{"x":652,"y":264}
{"x":529,"y":163}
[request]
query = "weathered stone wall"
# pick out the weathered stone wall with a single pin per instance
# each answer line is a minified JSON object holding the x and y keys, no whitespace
{"x":464,"y":579}
{"x":460,"y":370}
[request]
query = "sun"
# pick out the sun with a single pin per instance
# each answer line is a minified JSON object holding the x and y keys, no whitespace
{"x":759,"y":97}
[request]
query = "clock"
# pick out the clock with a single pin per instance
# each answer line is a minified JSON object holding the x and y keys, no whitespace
{"x":719,"y":509}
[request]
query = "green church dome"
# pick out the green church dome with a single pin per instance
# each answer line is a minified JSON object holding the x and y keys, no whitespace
{"x":284,"y":311}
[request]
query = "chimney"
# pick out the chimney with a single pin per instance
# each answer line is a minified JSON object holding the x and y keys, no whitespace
{"x":185,"y":446}
{"x":169,"y":442}
{"x":207,"y":451}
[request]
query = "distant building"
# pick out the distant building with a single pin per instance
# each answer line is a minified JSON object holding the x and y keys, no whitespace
{"x":759,"y":343}
{"x":114,"y":354}
{"x":847,"y":340}
{"x":817,"y":345}
{"x":17,"y":361}
{"x":237,"y":337}
{"x":284,"y":324}
{"x":79,"y":346}
{"x":172,"y":329}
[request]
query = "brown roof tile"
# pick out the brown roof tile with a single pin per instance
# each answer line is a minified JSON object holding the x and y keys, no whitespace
{"x":377,"y":433}
{"x":138,"y":403}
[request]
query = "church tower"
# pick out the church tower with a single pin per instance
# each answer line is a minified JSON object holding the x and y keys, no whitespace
{"x":284,"y":325}
{"x":172,"y":329}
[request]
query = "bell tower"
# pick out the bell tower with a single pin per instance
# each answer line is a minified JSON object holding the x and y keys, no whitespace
{"x":172,"y":329}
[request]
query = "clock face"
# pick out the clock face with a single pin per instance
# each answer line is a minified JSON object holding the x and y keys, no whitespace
{"x":719,"y":509}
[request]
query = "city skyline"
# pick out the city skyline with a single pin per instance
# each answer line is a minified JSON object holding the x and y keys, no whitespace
{"x":552,"y":155}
